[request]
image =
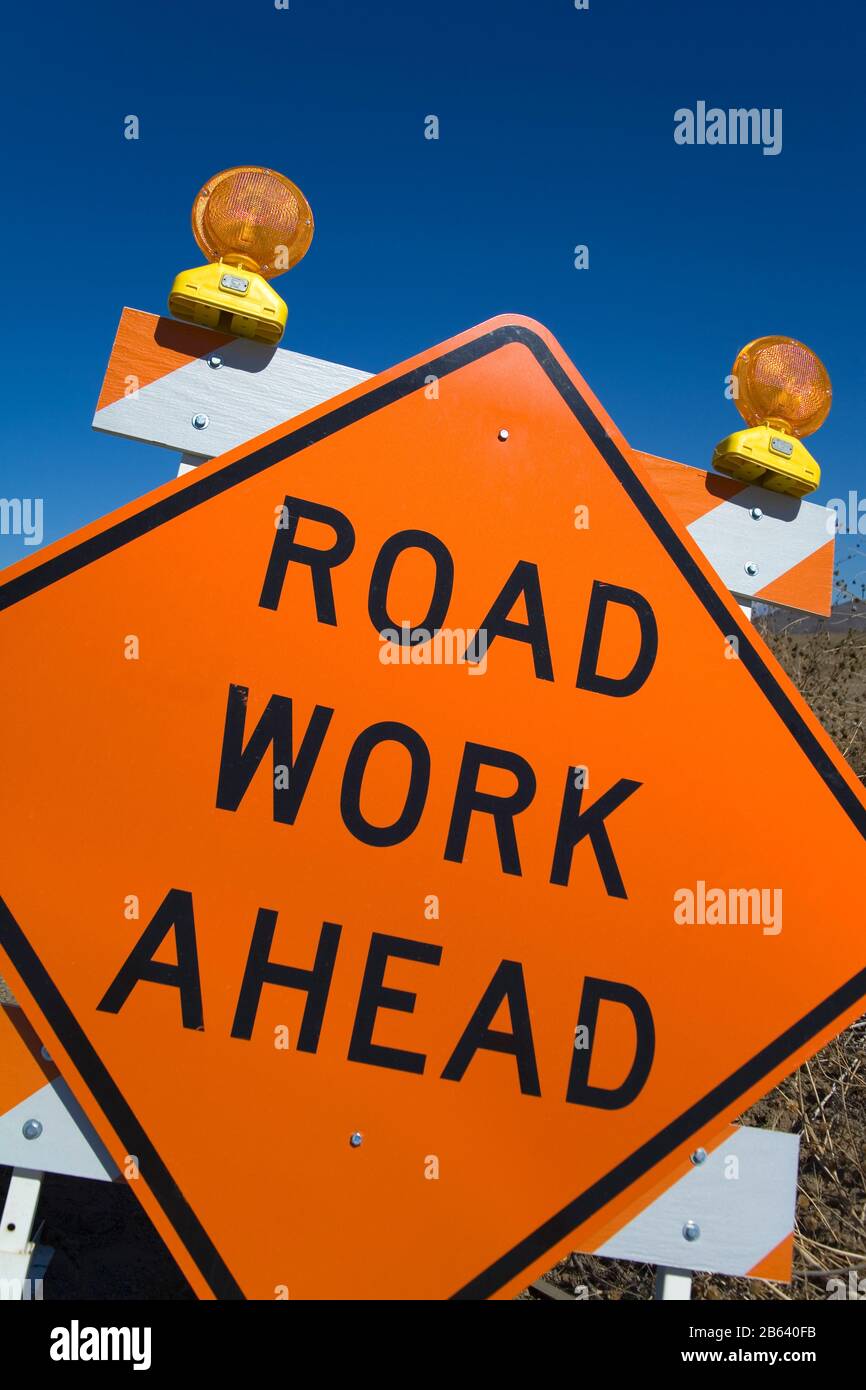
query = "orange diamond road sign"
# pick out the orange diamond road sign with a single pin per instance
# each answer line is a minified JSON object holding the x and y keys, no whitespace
{"x":409,"y":851}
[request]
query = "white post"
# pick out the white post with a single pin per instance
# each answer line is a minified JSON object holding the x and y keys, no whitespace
{"x":672,"y":1284}
{"x":16,"y":1248}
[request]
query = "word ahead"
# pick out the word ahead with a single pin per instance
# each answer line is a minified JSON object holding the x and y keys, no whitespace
{"x":506,"y":987}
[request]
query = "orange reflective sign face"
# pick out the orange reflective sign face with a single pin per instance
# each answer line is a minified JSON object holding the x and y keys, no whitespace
{"x":409,"y":851}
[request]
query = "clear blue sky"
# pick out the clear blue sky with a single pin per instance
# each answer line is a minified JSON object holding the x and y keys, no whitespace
{"x":556,"y":128}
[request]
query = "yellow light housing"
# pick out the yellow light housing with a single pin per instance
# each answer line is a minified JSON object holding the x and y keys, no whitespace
{"x":252,"y":224}
{"x":783,"y":392}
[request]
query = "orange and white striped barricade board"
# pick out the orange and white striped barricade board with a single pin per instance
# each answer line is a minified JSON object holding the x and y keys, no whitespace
{"x":202,"y":394}
{"x":43,"y":1129}
{"x":730,"y":1212}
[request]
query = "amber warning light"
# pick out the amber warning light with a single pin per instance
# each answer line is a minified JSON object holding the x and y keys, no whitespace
{"x":782,"y":390}
{"x":252,"y":224}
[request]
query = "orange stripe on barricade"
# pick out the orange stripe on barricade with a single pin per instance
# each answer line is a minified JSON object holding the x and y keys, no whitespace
{"x":24,"y":1069}
{"x":147,"y":348}
{"x":691,"y":491}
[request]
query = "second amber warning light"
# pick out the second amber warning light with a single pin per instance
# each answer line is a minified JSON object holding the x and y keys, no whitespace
{"x":252,"y":224}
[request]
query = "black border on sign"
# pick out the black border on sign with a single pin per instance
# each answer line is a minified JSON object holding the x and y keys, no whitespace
{"x":92,"y":1071}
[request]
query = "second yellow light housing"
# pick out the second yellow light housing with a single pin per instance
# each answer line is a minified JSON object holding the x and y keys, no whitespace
{"x":252,"y":224}
{"x":783,"y":392}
